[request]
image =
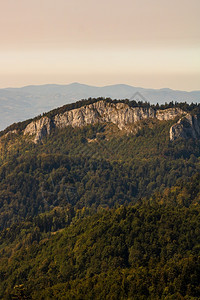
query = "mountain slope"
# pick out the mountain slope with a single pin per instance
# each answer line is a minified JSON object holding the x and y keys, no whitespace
{"x":118,"y":113}
{"x":96,"y":210}
{"x":18,"y":104}
{"x":90,"y":166}
{"x":145,"y":251}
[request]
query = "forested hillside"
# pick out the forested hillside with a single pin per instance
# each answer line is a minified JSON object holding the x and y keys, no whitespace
{"x":96,"y":213}
{"x":92,"y":166}
{"x":145,"y":251}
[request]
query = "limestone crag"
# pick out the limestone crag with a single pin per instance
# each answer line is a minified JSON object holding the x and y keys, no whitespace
{"x":120,"y":114}
{"x":169,"y":113}
{"x":39,"y":128}
{"x":9,"y":133}
{"x":187,"y":127}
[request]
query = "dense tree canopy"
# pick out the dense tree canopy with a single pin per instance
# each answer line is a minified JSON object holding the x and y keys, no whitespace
{"x":93,"y":166}
{"x":143,"y":251}
{"x":94,"y":213}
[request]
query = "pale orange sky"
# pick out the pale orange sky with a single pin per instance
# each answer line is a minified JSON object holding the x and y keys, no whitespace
{"x":148,"y":43}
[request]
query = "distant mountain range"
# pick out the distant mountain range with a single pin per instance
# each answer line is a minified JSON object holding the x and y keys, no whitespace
{"x":18,"y":104}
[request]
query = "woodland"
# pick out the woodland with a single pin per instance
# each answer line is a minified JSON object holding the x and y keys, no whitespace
{"x":94,"y":213}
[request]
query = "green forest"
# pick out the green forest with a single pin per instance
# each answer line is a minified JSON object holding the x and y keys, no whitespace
{"x":94,"y":213}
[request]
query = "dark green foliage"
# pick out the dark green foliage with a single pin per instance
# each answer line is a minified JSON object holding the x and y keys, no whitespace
{"x":93,"y":166}
{"x":93,"y":213}
{"x":146,"y":251}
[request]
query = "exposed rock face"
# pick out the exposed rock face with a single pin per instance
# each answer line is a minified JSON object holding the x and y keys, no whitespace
{"x":187,"y":127}
{"x":168,"y":114}
{"x":39,"y":128}
{"x":11,"y":132}
{"x":120,"y":114}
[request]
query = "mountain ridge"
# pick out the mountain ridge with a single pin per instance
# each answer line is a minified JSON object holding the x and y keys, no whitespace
{"x":18,"y":104}
{"x":125,"y":114}
{"x":94,"y":212}
{"x":120,"y":114}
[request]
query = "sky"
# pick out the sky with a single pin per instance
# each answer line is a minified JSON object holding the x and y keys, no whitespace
{"x":146,"y":43}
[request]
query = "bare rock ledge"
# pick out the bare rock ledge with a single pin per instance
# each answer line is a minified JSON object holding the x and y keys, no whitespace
{"x":120,"y":114}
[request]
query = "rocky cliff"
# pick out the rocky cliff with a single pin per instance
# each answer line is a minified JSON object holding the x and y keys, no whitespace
{"x":187,"y":127}
{"x":120,"y":114}
{"x":39,"y":128}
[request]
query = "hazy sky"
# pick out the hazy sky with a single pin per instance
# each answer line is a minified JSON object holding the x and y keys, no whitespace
{"x":148,"y":43}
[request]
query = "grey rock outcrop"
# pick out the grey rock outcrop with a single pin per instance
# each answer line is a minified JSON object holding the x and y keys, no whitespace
{"x":169,"y":113}
{"x":39,"y":128}
{"x":9,"y":134}
{"x":120,"y":114}
{"x":187,"y":127}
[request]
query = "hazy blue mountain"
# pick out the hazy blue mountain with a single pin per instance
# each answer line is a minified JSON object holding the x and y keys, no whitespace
{"x":18,"y":104}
